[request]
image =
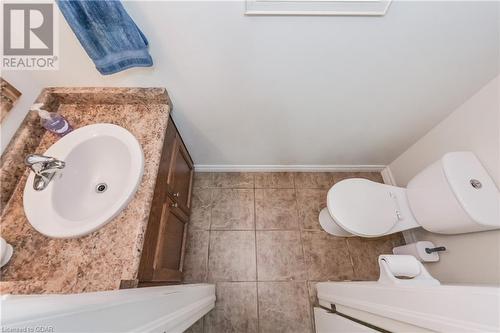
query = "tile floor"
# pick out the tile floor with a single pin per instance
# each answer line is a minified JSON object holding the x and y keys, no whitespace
{"x":257,"y":237}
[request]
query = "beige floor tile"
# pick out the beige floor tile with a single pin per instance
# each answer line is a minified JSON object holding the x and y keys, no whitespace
{"x":200,"y":209}
{"x":280,"y":256}
{"x":309,"y":203}
{"x":196,"y":256}
{"x":338,"y":176}
{"x":235,"y":309}
{"x":234,"y":179}
{"x":232,"y":256}
{"x":290,"y":248}
{"x":322,"y":180}
{"x":274,"y":180}
{"x":326,"y":256}
{"x":233,"y":209}
{"x":284,"y":307}
{"x":276,"y":209}
{"x":203,"y":180}
{"x":365,"y":251}
{"x":374,"y":176}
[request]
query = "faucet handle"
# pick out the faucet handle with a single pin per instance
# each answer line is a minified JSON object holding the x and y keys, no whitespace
{"x":44,"y":168}
{"x":41,"y":164}
{"x":35,"y":158}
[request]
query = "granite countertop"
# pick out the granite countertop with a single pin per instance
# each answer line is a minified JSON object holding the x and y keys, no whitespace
{"x":108,"y":258}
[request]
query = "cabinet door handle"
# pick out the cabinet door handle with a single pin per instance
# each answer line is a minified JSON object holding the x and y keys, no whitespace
{"x":174,"y":205}
{"x":176,"y":194}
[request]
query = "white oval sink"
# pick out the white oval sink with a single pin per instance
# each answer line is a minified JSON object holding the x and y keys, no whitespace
{"x":72,"y":205}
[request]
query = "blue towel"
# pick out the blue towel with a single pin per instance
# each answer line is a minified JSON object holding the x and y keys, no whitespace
{"x":108,"y":34}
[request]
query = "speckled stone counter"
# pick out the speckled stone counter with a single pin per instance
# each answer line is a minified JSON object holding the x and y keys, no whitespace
{"x":108,"y":258}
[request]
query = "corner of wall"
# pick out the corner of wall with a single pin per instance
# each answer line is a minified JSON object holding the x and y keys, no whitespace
{"x":387,"y":176}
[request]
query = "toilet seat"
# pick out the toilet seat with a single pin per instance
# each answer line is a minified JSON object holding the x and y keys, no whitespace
{"x":363,"y":207}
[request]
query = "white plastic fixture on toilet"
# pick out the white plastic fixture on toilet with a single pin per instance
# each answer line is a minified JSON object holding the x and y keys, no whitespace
{"x":452,"y":196}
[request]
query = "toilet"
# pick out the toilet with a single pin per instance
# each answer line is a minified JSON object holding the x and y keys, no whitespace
{"x":452,"y":196}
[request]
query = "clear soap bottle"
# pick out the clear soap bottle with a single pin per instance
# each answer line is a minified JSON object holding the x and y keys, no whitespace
{"x":52,"y":121}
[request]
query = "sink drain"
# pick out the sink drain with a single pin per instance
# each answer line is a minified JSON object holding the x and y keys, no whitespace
{"x":101,"y":187}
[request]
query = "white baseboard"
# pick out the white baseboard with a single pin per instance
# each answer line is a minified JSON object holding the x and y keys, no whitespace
{"x":388,"y":177}
{"x":287,"y":168}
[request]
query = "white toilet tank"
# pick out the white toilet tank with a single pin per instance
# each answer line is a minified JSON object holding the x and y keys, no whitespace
{"x":455,"y":195}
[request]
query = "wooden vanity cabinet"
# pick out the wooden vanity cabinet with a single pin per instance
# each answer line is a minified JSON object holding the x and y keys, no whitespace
{"x":164,"y":242}
{"x":180,"y":175}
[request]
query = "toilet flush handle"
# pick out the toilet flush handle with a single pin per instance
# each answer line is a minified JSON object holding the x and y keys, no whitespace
{"x":430,"y":250}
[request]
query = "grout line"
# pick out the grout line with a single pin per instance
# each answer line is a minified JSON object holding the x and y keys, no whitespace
{"x":350,"y":257}
{"x":301,"y":230}
{"x":232,"y":229}
{"x":209,"y":231}
{"x":274,"y":188}
{"x":211,"y":202}
{"x":283,"y":229}
{"x":279,"y":281}
{"x":306,"y":266}
{"x":256,"y":260}
{"x":208,"y":256}
{"x":255,"y":238}
{"x":261,"y":188}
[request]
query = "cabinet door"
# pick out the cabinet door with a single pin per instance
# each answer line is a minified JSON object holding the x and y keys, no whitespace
{"x":169,"y":254}
{"x":157,"y":211}
{"x":180,"y":175}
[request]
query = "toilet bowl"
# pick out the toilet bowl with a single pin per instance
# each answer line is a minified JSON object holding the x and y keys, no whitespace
{"x":361,"y":207}
{"x":452,"y":196}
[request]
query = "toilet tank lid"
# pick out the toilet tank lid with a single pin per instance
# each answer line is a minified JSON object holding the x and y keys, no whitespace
{"x":473,"y":187}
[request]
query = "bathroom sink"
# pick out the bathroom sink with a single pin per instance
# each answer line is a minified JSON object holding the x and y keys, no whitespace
{"x":104,"y":164}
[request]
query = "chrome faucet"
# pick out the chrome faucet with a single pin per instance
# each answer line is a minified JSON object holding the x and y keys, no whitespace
{"x":44,"y":167}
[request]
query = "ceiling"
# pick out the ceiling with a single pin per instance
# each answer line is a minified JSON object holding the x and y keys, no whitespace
{"x":301,"y":90}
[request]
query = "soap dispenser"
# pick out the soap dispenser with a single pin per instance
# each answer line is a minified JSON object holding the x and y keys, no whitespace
{"x":52,"y":121}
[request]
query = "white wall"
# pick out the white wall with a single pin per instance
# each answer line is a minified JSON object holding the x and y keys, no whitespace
{"x":297,"y":90}
{"x":474,"y":126}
